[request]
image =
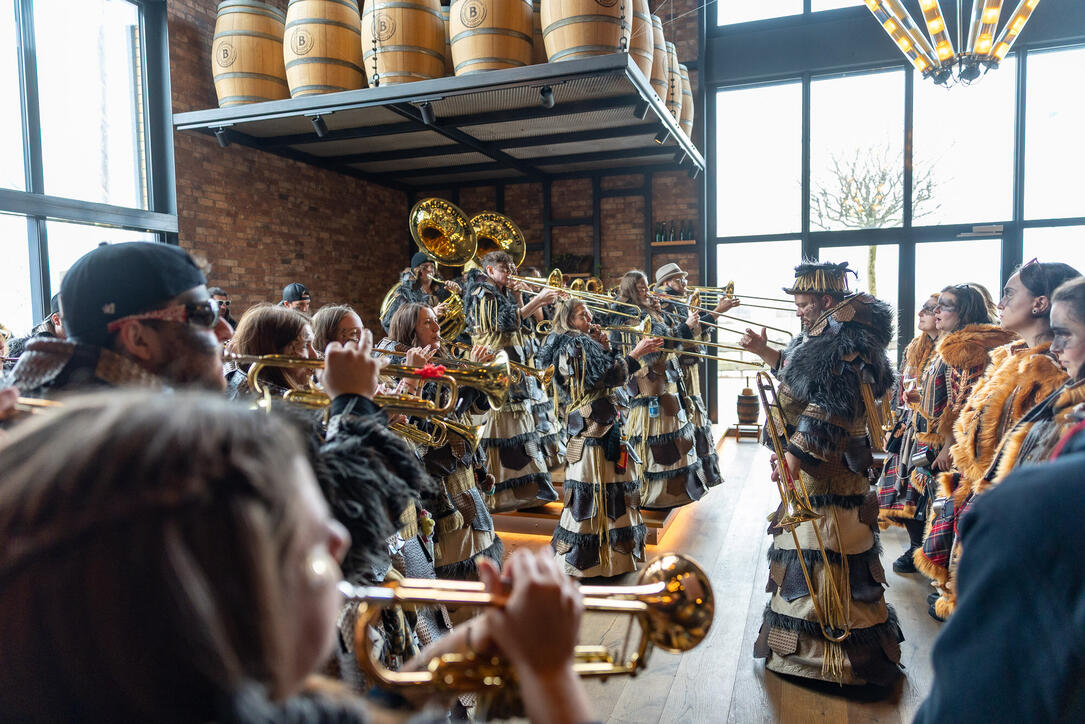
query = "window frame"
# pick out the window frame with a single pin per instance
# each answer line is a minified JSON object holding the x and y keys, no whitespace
{"x":160,"y":218}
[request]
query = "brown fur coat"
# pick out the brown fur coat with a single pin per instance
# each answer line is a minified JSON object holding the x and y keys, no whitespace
{"x":1017,"y":378}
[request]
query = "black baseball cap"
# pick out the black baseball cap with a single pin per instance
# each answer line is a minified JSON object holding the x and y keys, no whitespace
{"x":117,"y":280}
{"x":295,"y":292}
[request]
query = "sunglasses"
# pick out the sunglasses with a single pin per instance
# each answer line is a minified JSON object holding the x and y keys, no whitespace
{"x":928,"y":309}
{"x":197,"y":314}
{"x":1045,"y":289}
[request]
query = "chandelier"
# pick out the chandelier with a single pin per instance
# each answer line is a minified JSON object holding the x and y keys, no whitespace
{"x":936,"y":59}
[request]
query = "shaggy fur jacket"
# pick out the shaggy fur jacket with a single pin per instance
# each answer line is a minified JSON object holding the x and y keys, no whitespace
{"x":487,"y":307}
{"x":824,"y":368}
{"x":582,"y":365}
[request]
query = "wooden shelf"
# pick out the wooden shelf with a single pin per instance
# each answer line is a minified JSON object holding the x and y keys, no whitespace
{"x":676,"y":242}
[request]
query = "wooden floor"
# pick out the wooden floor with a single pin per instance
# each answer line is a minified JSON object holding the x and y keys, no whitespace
{"x":720,"y":681}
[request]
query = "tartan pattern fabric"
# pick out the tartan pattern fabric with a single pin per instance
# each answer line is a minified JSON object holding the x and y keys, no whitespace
{"x":939,"y":539}
{"x":934,"y":395}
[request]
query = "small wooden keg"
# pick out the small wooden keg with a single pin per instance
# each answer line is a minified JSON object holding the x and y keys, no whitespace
{"x":582,"y":28}
{"x":686,"y":120}
{"x":538,"y":47}
{"x":659,"y":59}
{"x":674,"y":82}
{"x":322,"y":48}
{"x":749,"y":407}
{"x":642,"y":37}
{"x":247,"y":53}
{"x":490,"y":34}
{"x":448,"y":43}
{"x":403,"y":41}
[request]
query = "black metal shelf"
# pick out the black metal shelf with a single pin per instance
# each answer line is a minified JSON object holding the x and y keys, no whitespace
{"x":483,"y":127}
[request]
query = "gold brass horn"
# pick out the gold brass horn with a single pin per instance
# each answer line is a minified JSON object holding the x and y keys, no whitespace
{"x":693,"y":301}
{"x":492,"y":378}
{"x":600,"y":302}
{"x":543,"y":376}
{"x":442,"y":232}
{"x":497,"y":232}
{"x":672,"y":601}
{"x":796,"y":509}
{"x":644,"y":329}
{"x":728,"y":290}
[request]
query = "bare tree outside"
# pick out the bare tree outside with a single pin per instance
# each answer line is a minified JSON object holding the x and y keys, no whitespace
{"x":865,"y":190}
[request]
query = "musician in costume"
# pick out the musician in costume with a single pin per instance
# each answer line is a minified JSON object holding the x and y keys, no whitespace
{"x":659,"y":427}
{"x":495,"y":312}
{"x":600,"y":532}
{"x":542,"y":399}
{"x":416,"y":284}
{"x":899,"y":503}
{"x":1020,"y":375}
{"x":671,"y":282}
{"x":463,"y":528}
{"x":962,"y":355}
{"x":829,"y":418}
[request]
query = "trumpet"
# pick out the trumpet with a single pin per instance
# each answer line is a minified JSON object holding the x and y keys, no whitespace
{"x":543,"y":376}
{"x":492,"y":378}
{"x":317,"y":398}
{"x":644,"y":329}
{"x":796,"y":509}
{"x":672,"y":601}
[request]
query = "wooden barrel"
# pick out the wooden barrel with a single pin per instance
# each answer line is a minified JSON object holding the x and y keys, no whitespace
{"x":403,"y":41}
{"x":674,"y":82}
{"x":659,"y":59}
{"x":749,"y":407}
{"x":642,"y":37}
{"x":686,"y":119}
{"x":538,"y":47}
{"x":582,"y":28}
{"x":247,"y":53}
{"x":322,"y":48}
{"x":448,"y":43}
{"x":490,"y":34}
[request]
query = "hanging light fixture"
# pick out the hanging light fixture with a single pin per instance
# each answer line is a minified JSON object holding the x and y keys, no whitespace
{"x":936,"y":59}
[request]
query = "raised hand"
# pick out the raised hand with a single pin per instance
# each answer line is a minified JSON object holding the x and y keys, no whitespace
{"x":351,"y":369}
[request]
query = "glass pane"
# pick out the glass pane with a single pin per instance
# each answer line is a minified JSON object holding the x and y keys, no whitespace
{"x":761,"y":268}
{"x":1054,"y":117}
{"x":91,"y":97}
{"x":819,"y":5}
{"x":742,"y":11}
{"x":16,"y":312}
{"x":964,"y":150}
{"x":1056,"y":243}
{"x":941,"y":263}
{"x":68,"y":242}
{"x":857,"y":151}
{"x":11,"y":120}
{"x":759,"y":160}
{"x":876,"y":266}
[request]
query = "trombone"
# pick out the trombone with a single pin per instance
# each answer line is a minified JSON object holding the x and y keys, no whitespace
{"x":644,"y":329}
{"x":692,"y":302}
{"x":542,"y":376}
{"x":593,"y":300}
{"x":672,"y":601}
{"x":728,"y":290}
{"x":795,"y":509}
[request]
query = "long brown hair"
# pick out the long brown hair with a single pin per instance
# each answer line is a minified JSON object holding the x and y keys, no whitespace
{"x":627,"y":287}
{"x":405,"y":322}
{"x":268,"y":329}
{"x":141,"y":575}
{"x":563,"y":313}
{"x":326,"y":322}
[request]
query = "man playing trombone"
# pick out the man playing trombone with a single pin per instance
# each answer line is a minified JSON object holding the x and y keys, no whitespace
{"x":827,"y":618}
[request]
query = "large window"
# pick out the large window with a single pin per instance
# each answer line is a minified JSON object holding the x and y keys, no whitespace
{"x":744,"y":11}
{"x":78,"y":139}
{"x":939,"y":264}
{"x":759,"y":160}
{"x":1054,"y":144}
{"x":857,"y":151}
{"x":1056,"y":243}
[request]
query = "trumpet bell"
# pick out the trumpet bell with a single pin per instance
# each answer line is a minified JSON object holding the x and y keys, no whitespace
{"x":497,"y":232}
{"x":442,"y":231}
{"x":680,"y":615}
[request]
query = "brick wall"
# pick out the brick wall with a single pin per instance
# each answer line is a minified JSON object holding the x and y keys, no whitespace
{"x":263,"y":221}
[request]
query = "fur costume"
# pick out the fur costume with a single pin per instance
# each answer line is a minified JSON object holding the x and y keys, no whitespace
{"x":600,"y":532}
{"x":514,"y":454}
{"x":409,"y":292}
{"x":1034,"y":438}
{"x":822,"y":401}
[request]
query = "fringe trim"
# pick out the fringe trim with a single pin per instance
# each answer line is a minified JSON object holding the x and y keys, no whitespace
{"x":846,"y":502}
{"x":871,"y":636}
{"x":928,"y":568}
{"x":686,"y":432}
{"x":589,"y":488}
{"x":945,"y":606}
{"x":666,"y":474}
{"x":507,"y":442}
{"x":971,"y":345}
{"x":467,"y":570}
{"x":893,"y":516}
{"x":811,"y":557}
{"x":636,"y":533}
{"x":523,"y":481}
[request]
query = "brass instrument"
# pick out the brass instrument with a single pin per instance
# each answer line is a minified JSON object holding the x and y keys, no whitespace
{"x":796,"y":509}
{"x":492,"y":378}
{"x":317,"y":398}
{"x":644,"y":329}
{"x":593,"y":285}
{"x":599,"y":302}
{"x":35,"y":404}
{"x":497,"y":232}
{"x":693,"y":302}
{"x":443,"y":233}
{"x":543,"y":376}
{"x":672,"y":601}
{"x":712,"y":295}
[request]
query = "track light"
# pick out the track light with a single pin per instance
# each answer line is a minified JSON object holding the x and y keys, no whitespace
{"x":319,"y":126}
{"x":640,"y":110}
{"x":663,"y":135}
{"x":223,"y":139}
{"x":680,"y":158}
{"x":694,"y":172}
{"x":428,"y":116}
{"x":546,"y":97}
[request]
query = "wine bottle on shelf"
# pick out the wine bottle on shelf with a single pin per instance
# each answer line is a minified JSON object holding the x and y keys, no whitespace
{"x":672,"y":235}
{"x":683,"y":232}
{"x":659,"y":231}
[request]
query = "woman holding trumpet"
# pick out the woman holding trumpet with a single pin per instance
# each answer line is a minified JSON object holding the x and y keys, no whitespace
{"x":419,"y":284}
{"x":463,"y":528}
{"x":659,"y":427}
{"x":600,"y":532}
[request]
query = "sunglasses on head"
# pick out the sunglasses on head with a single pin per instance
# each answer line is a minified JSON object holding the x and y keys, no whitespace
{"x":203,"y":314}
